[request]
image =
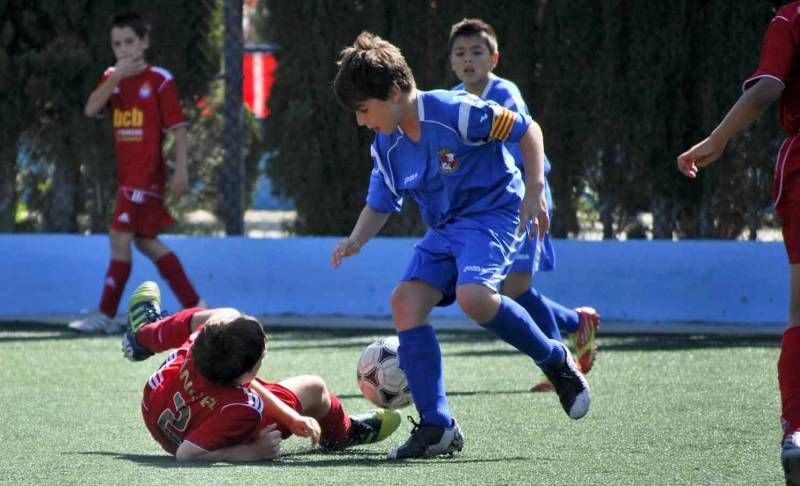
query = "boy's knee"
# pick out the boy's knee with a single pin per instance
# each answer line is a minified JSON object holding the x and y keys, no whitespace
{"x":405,"y":307}
{"x":478,"y":302}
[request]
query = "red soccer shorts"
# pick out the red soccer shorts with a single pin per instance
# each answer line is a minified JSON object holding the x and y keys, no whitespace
{"x":140,"y":213}
{"x":786,"y":195}
{"x":288,"y":397}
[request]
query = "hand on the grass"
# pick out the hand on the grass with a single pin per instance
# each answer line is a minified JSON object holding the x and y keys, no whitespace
{"x":268,"y":442}
{"x":303,"y":426}
{"x":345,"y":248}
{"x":699,"y":156}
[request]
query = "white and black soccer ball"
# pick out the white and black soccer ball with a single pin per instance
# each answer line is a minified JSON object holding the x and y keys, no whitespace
{"x":379,"y":375}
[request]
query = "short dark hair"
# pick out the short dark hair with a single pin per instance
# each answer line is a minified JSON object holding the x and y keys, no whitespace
{"x":470,"y":27}
{"x":131,"y":19}
{"x":224,"y":351}
{"x":368,"y":69}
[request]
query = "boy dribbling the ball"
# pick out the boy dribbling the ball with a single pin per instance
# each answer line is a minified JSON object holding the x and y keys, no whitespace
{"x":445,"y":150}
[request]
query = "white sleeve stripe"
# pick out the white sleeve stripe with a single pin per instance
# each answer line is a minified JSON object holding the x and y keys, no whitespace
{"x":463,"y":119}
{"x":464,"y":141}
{"x":751,"y":79}
{"x":163,"y":72}
{"x":386,"y":178}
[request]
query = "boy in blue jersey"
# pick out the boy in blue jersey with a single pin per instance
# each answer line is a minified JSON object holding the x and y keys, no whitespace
{"x":473,"y":55}
{"x":445,"y":150}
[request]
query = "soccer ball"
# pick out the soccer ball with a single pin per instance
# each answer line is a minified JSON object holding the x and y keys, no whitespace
{"x":379,"y":375}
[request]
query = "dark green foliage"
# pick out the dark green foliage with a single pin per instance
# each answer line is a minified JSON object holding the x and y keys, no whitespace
{"x":54,"y":54}
{"x":619,"y":87}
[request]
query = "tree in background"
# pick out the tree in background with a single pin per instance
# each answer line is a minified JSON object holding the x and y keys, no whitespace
{"x":619,"y":88}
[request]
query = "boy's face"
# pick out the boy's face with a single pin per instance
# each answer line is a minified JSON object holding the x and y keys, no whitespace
{"x":380,"y":115}
{"x":126,"y":44}
{"x":471,"y":59}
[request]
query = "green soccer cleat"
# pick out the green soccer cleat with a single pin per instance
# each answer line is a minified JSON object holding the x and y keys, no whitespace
{"x":367,"y":428}
{"x":144,"y":306}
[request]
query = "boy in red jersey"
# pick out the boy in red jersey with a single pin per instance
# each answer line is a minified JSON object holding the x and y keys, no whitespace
{"x":776,"y":77}
{"x":205,"y":402}
{"x":144,"y":103}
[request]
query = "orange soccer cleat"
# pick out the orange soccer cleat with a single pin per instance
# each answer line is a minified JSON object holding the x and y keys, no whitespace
{"x":584,"y":339}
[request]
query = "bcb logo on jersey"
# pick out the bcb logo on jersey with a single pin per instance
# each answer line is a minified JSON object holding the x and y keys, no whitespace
{"x":128,"y":118}
{"x":447,"y":160}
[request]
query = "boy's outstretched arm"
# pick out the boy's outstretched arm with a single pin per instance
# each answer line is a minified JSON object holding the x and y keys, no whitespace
{"x":534,"y":204}
{"x":749,"y":107}
{"x":368,"y":224}
{"x":266,"y":446}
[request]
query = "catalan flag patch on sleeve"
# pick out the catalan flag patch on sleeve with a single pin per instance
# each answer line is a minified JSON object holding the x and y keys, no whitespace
{"x":502,"y":123}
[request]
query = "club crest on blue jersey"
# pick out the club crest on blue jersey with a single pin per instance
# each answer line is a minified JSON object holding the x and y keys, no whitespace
{"x":447,"y":161}
{"x":145,"y":90}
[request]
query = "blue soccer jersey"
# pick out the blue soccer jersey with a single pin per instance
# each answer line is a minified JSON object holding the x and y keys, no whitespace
{"x":460,"y":165}
{"x":467,"y":186}
{"x":533,"y":255}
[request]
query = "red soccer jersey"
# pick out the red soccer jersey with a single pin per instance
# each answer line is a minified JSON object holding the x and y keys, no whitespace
{"x":179,"y":405}
{"x":779,"y":60}
{"x":142,"y":107}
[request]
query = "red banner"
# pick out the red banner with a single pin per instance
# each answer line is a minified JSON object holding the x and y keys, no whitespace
{"x":258,"y":69}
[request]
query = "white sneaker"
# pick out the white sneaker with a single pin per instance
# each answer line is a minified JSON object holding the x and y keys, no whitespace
{"x":95,"y":323}
{"x":790,"y":457}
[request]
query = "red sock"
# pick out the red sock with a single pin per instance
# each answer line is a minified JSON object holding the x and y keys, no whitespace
{"x":335,"y":425}
{"x":789,"y":379}
{"x":168,"y":333}
{"x":116,"y":278}
{"x":171,"y":269}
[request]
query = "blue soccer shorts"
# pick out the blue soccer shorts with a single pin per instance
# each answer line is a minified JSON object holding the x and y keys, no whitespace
{"x":475,"y":249}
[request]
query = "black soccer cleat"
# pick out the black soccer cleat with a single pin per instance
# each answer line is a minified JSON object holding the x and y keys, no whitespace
{"x":571,"y":386}
{"x":429,"y":441}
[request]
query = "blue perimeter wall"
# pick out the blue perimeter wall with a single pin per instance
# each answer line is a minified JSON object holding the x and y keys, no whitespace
{"x":645,"y":281}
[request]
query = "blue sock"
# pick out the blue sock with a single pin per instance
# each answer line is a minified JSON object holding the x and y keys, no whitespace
{"x":514,"y":325}
{"x":568,"y":320}
{"x":534,"y":303}
{"x":421,"y":360}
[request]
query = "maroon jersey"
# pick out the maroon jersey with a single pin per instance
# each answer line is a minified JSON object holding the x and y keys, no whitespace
{"x":179,"y":404}
{"x":779,"y":60}
{"x":142,"y":107}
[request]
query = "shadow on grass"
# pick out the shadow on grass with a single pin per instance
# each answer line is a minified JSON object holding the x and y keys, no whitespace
{"x":681,"y":342}
{"x":456,"y":393}
{"x":295,"y":339}
{"x":313,"y":458}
